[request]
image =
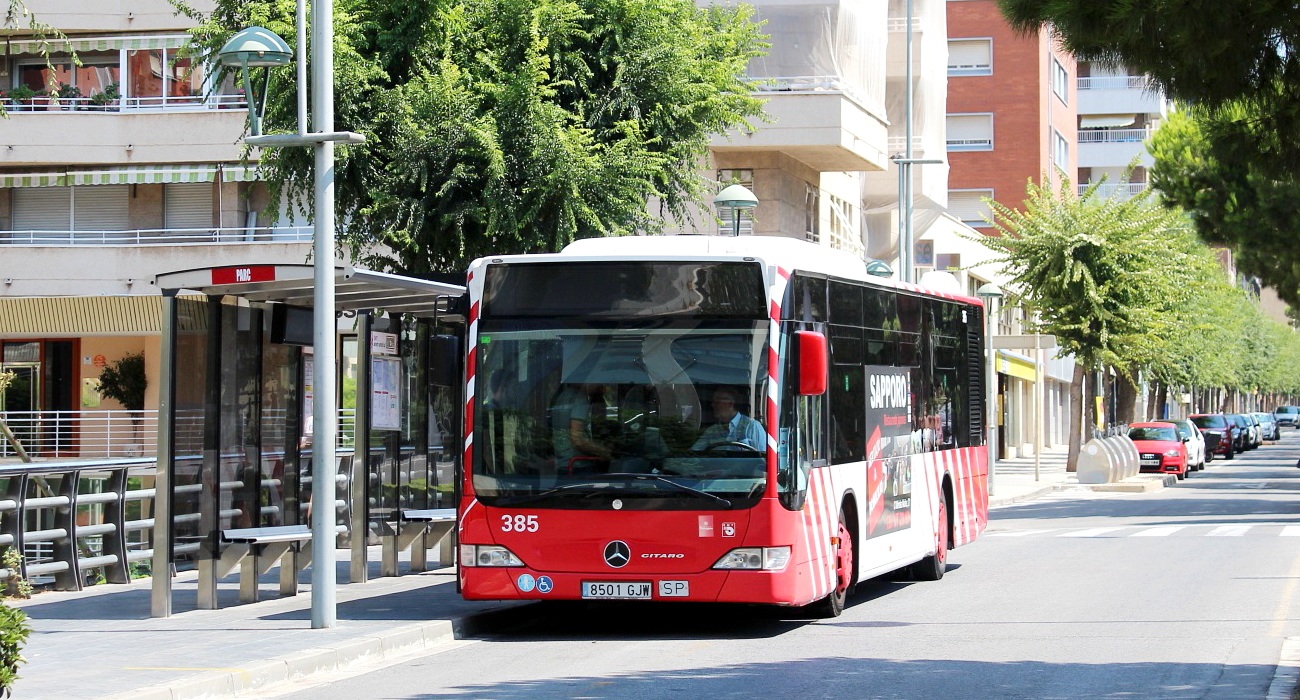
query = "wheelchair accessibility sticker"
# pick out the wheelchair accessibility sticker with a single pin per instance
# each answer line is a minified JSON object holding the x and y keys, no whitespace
{"x":544,"y":584}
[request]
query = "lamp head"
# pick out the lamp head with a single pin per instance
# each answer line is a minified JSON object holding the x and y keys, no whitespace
{"x":736,"y":197}
{"x":989,"y":291}
{"x":255,"y":46}
{"x":879,"y":268}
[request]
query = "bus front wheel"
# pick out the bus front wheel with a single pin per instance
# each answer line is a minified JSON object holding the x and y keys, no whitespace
{"x":933,"y":567}
{"x":833,"y":604}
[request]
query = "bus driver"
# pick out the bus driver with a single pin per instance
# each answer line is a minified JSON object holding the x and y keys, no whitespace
{"x":732,"y":426}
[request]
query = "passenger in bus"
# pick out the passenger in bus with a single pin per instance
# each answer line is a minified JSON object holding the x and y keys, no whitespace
{"x":731,"y":425}
{"x":573,"y":418}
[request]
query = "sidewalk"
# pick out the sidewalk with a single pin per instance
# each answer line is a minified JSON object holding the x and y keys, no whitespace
{"x":101,"y":642}
{"x":1016,"y":480}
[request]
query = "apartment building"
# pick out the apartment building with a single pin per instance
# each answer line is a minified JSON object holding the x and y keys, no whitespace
{"x":1118,"y":112}
{"x":1012,"y":117}
{"x":111,"y":171}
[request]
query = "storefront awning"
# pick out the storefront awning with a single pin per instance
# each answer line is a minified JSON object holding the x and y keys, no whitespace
{"x":1014,"y":365}
{"x":98,"y":43}
{"x":60,"y":317}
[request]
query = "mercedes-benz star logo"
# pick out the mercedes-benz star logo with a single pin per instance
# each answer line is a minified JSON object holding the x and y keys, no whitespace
{"x":617,"y":554}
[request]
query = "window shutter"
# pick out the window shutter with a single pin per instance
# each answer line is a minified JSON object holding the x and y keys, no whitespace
{"x":101,"y":208}
{"x":188,"y":206}
{"x":42,"y":209}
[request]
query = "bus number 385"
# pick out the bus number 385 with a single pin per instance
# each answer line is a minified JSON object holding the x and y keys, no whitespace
{"x":519,"y":523}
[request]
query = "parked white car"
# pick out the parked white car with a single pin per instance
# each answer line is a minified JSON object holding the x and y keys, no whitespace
{"x":1196,"y":455}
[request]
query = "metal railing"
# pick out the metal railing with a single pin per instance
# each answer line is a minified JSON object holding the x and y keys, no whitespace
{"x":173,"y":236}
{"x":1113,"y":135}
{"x":151,"y":103}
{"x":1123,"y":190}
{"x":61,"y":434}
{"x":70,"y":518}
{"x":115,"y":434}
{"x":1115,"y":82}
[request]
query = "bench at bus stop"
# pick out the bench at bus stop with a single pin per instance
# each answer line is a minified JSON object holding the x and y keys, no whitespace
{"x":433,"y":527}
{"x":256,"y":549}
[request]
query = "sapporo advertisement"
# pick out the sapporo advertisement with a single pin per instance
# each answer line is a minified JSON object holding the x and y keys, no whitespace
{"x":889,"y":467}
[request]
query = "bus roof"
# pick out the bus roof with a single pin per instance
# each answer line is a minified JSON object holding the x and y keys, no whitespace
{"x":776,"y":251}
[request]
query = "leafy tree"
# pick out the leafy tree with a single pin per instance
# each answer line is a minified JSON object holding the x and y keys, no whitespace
{"x":1097,"y":273}
{"x":1238,"y":62}
{"x":125,"y":381}
{"x":1208,"y":163}
{"x":510,"y":126}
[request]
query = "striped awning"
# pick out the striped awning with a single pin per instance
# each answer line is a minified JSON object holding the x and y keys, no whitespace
{"x":53,"y":317}
{"x":126,"y":175}
{"x":241,"y":173}
{"x":98,"y":43}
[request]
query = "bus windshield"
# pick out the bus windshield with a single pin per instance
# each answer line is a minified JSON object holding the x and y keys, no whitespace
{"x":582,"y":414}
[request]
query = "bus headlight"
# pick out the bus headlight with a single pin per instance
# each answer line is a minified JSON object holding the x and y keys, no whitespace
{"x":755,"y":559}
{"x":487,"y":555}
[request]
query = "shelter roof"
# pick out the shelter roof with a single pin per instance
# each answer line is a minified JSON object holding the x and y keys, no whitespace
{"x":354,"y":289}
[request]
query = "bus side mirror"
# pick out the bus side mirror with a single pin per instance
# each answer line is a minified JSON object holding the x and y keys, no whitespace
{"x":813,"y":363}
{"x":444,"y":360}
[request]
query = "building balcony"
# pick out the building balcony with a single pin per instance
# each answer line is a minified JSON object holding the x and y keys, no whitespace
{"x":1119,"y":94}
{"x":113,"y":15}
{"x":1099,"y":148}
{"x":179,"y":133}
{"x":1122,"y":190}
{"x":108,"y":267}
{"x":815,"y":122}
{"x":896,"y":51}
{"x":150,"y":237}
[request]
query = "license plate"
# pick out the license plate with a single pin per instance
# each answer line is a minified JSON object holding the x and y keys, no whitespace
{"x":616,"y":590}
{"x":674,"y":589}
{"x":1150,"y":462}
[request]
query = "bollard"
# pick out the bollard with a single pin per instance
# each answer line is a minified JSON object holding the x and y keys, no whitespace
{"x":1133,"y":459}
{"x":1094,"y":463}
{"x":1117,"y":458}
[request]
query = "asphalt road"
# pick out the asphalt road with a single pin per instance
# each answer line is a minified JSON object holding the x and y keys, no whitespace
{"x":1187,"y":592}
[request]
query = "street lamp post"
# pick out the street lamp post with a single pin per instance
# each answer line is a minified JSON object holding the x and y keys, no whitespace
{"x":990,"y":293}
{"x":324,"y":611}
{"x":737,"y":197}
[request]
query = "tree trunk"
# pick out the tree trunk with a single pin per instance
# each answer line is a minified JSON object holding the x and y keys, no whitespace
{"x":1126,"y":395}
{"x":1161,"y":391}
{"x":1076,"y":418}
{"x":13,"y":440}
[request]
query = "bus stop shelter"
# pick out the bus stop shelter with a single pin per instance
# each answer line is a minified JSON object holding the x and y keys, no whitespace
{"x":234,"y":474}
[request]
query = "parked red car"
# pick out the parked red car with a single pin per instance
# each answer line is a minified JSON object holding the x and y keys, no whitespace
{"x":1220,"y":433}
{"x":1159,"y":448}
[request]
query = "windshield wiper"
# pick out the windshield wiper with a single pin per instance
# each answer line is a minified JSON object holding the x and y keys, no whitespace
{"x":540,"y":495}
{"x":595,"y":484}
{"x":726,"y":504}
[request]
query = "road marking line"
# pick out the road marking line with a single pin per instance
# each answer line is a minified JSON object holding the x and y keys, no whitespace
{"x":1228,"y":531}
{"x":1157,"y":531}
{"x":1094,"y":532}
{"x":1291,"y":531}
{"x":1282,"y":614}
{"x":1020,"y":533}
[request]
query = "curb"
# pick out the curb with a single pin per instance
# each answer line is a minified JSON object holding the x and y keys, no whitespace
{"x":1287,"y":675}
{"x":1143,"y":483}
{"x":261,"y":674}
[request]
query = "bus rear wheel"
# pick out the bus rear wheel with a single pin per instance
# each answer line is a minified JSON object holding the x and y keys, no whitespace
{"x":833,"y":604}
{"x":933,"y":567}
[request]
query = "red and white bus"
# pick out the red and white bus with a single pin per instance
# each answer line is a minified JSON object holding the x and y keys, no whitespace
{"x":604,"y":458}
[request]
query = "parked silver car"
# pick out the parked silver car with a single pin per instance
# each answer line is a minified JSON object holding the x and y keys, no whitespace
{"x":1268,"y":426}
